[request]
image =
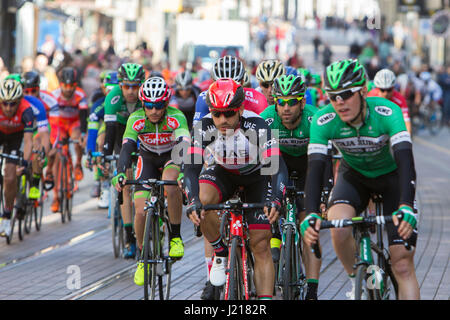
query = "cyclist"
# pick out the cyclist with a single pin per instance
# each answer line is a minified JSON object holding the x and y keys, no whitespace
{"x":230,"y":125}
{"x":266,"y":72}
{"x":41,"y":135}
{"x":385,"y":87}
{"x":292,"y":117}
{"x":96,"y":134}
{"x":232,"y":68}
{"x":430,"y":90}
{"x":186,"y":94}
{"x":120,"y":102}
{"x":361,"y":128}
{"x":158,"y":127}
{"x":16,"y":125}
{"x":67,"y":119}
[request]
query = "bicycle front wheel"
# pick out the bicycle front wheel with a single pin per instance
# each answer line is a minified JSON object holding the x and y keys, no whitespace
{"x":287,"y":266}
{"x":164,"y":264}
{"x":235,"y":279}
{"x":149,"y":255}
{"x":39,"y":208}
{"x":366,"y":284}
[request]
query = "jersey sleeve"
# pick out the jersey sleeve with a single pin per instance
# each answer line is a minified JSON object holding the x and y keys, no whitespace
{"x":28,"y":119}
{"x":392,"y":118}
{"x":318,"y":141}
{"x":112,"y":106}
{"x":201,"y":108}
{"x":130,"y":132}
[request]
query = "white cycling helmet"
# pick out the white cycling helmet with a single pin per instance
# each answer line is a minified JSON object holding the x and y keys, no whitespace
{"x":269,"y":70}
{"x":154,"y":90}
{"x":384,"y":79}
{"x":10,"y":90}
{"x":228,"y":67}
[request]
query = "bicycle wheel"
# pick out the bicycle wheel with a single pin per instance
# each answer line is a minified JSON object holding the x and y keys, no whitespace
{"x":28,"y":218}
{"x":235,"y":276}
{"x":62,"y":187}
{"x":69,"y":191}
{"x":366,"y":284}
{"x":164,"y":265}
{"x":389,"y":282}
{"x":116,"y":221}
{"x":13,"y":222}
{"x":434,"y":121}
{"x":149,"y":255}
{"x":39,"y":208}
{"x":288,"y":267}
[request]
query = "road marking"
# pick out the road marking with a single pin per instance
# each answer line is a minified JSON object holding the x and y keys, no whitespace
{"x":432,"y":145}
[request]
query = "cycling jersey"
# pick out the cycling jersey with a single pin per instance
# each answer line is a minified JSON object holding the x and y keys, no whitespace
{"x":96,"y":115}
{"x":293,"y":142}
{"x":397,"y":98}
{"x":254,"y":101}
{"x":40,"y":115}
{"x":22,"y":121}
{"x":157,"y":138}
{"x":48,"y":100}
{"x":69,"y":108}
{"x":365,"y":149}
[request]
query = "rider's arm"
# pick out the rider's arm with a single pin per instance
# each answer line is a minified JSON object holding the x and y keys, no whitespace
{"x":97,"y":111}
{"x":27,"y":120}
{"x":201,"y":108}
{"x":128,"y":147}
{"x":194,"y":163}
{"x":110,"y":119}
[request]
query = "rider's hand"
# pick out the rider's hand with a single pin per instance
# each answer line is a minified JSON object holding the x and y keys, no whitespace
{"x":180,"y":180}
{"x":193,"y":210}
{"x":408,"y":223}
{"x":274,"y":212}
{"x":105,"y":168}
{"x":116,"y":182}
{"x":310,"y":235}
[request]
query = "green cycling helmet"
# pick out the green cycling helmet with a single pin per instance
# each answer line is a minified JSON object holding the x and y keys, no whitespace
{"x":15,"y":76}
{"x":289,"y":86}
{"x":306,"y":73}
{"x":131,"y":72}
{"x":342,"y":75}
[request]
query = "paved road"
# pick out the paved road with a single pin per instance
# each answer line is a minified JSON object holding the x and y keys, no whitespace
{"x":42,"y":266}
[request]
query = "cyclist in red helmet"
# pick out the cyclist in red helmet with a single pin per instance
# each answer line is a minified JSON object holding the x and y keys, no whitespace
{"x":213,"y":172}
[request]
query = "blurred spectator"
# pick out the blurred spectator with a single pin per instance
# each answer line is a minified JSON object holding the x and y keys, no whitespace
{"x":373,"y":67}
{"x":326,"y":55}
{"x":316,"y":42}
{"x":295,"y":61}
{"x":27,"y":64}
{"x":49,"y":80}
{"x":355,"y":50}
{"x":368,"y":52}
{"x":444,"y":81}
{"x":384,"y":51}
{"x":3,"y":70}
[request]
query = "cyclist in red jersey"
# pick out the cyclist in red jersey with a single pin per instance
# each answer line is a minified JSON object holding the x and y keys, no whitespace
{"x":68,"y":119}
{"x":384,"y":82}
{"x":16,"y":124}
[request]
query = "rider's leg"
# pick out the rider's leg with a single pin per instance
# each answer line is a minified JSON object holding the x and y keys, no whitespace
{"x":10,"y":188}
{"x":75,"y":134}
{"x":402,"y":262}
{"x":264,"y":268}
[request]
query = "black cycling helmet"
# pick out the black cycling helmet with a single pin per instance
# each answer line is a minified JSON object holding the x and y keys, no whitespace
{"x":183,"y":80}
{"x":131,"y":72}
{"x":31,"y":79}
{"x":68,"y":75}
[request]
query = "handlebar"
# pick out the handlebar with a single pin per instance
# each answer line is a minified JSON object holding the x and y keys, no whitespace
{"x":234,"y":205}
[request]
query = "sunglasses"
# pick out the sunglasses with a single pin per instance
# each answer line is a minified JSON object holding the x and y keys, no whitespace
{"x":227,"y":114}
{"x":10,"y":104}
{"x":31,"y":90}
{"x":68,"y":85}
{"x":157,"y":105}
{"x":386,"y":90}
{"x":290,"y":102}
{"x":266,"y":84}
{"x":127,"y":86}
{"x":343,"y":95}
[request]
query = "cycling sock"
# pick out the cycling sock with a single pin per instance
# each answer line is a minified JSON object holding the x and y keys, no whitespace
{"x":175,"y":231}
{"x":7,"y":214}
{"x":220,"y":249}
{"x":129,"y":233}
{"x":352,"y":279}
{"x":35,"y":180}
{"x":311,"y":292}
{"x":264,"y":297}
{"x":209,"y":263}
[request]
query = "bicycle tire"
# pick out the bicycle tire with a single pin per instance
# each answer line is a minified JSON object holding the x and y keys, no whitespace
{"x":61,"y":191}
{"x":287,"y":267}
{"x":389,"y":281}
{"x":115,"y":226}
{"x":28,"y":218}
{"x":69,"y":191}
{"x":39,"y":211}
{"x":164,"y":271}
{"x":13,"y":222}
{"x":235,"y":285}
{"x":362,"y":291}
{"x":148,"y":254}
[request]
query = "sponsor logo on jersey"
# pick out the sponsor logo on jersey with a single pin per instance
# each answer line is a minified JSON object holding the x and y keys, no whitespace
{"x":326,"y":118}
{"x":294,"y":142}
{"x":269,"y":121}
{"x":115,"y":99}
{"x":139,"y":125}
{"x":154,"y":139}
{"x":384,"y":111}
{"x":361,"y":144}
{"x":172,"y":123}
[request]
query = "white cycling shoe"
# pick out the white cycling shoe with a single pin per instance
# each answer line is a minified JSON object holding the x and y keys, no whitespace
{"x":103,"y":202}
{"x":217,"y":275}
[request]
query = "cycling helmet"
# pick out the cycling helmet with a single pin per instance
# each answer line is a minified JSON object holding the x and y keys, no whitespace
{"x":425,"y":76}
{"x":31,"y":79}
{"x":154,"y":89}
{"x":289,"y":86}
{"x":247,"y":83}
{"x":384,"y":79}
{"x":225,"y":94}
{"x":68,"y":75}
{"x":268,"y":70}
{"x":307,"y":74}
{"x":291,"y":70}
{"x":316,"y":80}
{"x":344,"y":74}
{"x":110,"y":78}
{"x":228,"y":67}
{"x":131,"y":72}
{"x":183,"y":80}
{"x":14,"y":76}
{"x":10,"y":90}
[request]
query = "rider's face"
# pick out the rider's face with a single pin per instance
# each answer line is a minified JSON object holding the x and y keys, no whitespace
{"x":387,"y":93}
{"x":130,"y":90}
{"x":68,"y":90}
{"x":348,"y":109}
{"x":227,"y":123}
{"x":155,"y":115}
{"x":266,"y":89}
{"x":9,"y":108}
{"x":289,"y":114}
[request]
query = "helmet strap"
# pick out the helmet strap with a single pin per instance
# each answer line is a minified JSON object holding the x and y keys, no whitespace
{"x":360,"y":113}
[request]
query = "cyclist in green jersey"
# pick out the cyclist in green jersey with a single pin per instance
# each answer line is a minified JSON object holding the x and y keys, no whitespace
{"x":291,"y":117}
{"x":120,"y":102}
{"x":361,"y":128}
{"x":159,"y":128}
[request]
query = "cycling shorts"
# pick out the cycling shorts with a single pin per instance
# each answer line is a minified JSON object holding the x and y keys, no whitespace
{"x":150,"y":166}
{"x":11,"y":144}
{"x":62,"y":128}
{"x":256,"y":189}
{"x":355,"y":189}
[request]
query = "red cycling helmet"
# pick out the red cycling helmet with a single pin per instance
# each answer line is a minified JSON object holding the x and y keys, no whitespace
{"x":225,"y":94}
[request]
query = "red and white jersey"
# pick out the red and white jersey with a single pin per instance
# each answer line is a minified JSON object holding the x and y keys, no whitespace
{"x":69,"y":108}
{"x":397,"y":98}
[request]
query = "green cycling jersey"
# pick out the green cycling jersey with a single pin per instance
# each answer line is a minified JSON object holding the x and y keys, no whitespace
{"x":158,"y":138}
{"x":292,"y":142}
{"x":116,"y":108}
{"x":366,"y":149}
